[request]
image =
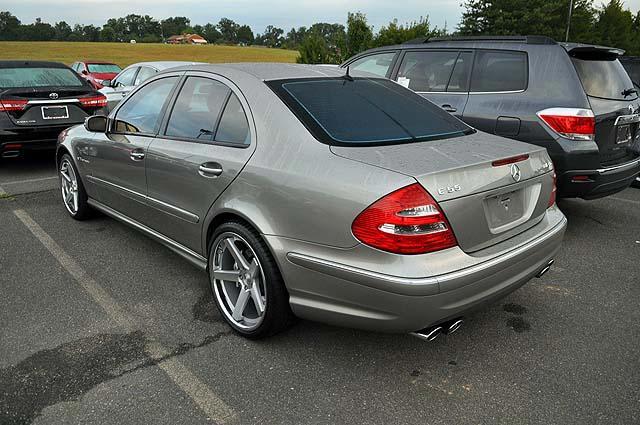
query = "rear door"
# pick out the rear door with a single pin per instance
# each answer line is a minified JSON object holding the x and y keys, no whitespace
{"x":613,"y":99}
{"x":116,"y":160}
{"x":442,"y":76}
{"x":205,"y":142}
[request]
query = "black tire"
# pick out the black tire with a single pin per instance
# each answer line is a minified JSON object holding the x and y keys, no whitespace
{"x":277,"y":314}
{"x":84,"y":210}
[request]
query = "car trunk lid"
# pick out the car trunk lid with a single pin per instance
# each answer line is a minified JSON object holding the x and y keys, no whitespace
{"x":490,"y":188}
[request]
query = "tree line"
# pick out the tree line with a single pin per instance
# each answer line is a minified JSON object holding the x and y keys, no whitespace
{"x":609,"y":24}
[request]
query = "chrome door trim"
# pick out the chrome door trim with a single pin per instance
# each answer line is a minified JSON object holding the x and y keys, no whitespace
{"x":188,"y":254}
{"x":152,"y":202}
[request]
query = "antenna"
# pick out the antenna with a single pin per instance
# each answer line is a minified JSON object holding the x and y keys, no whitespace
{"x":347,"y":76}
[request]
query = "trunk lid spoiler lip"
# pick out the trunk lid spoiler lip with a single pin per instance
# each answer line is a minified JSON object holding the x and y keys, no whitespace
{"x":573,"y":48}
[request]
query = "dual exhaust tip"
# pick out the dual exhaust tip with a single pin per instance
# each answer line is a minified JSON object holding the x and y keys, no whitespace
{"x":431,"y":333}
{"x":546,"y":268}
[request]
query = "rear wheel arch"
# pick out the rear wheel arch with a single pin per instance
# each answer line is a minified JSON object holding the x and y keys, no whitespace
{"x":225,"y":217}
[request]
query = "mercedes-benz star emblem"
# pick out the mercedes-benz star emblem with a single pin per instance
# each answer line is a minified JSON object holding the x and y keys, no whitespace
{"x":53,"y":95}
{"x":516,"y":174}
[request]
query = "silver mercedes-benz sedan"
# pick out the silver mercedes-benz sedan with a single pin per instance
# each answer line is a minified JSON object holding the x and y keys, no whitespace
{"x":304,"y":191}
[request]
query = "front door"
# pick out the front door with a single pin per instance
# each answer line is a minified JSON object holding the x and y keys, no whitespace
{"x":205,"y":142}
{"x":117,"y":159}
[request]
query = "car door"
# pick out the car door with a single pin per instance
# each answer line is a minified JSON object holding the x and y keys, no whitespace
{"x":442,"y":76}
{"x":121,"y":86}
{"x":205,"y":142}
{"x":116,"y":160}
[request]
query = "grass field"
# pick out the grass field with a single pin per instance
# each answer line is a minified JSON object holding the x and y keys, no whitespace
{"x":124,"y":53}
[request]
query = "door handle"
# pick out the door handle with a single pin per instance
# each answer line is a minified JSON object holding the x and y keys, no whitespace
{"x":137,"y":155}
{"x":449,"y":108}
{"x":210,"y":170}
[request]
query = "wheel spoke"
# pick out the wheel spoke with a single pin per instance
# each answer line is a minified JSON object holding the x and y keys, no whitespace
{"x":237,"y":255}
{"x":241,"y":303}
{"x":257,"y":298}
{"x":65,"y":176}
{"x":68,"y":196}
{"x":228,"y":275}
{"x":254,"y":269}
{"x":75,"y":200}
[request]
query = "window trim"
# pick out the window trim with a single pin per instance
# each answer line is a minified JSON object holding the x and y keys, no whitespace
{"x":397,"y":53}
{"x":163,"y":111}
{"x":526,"y":61}
{"x":162,"y":133}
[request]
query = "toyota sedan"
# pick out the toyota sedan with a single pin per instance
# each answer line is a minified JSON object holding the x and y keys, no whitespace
{"x":307,"y":192}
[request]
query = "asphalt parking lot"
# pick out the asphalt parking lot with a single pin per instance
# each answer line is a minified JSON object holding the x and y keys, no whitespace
{"x":99,"y":324}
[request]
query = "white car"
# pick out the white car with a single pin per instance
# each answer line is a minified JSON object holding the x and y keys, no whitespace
{"x":117,"y":89}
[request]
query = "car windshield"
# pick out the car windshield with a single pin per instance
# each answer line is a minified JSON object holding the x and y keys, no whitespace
{"x":101,"y":68}
{"x":38,"y":77}
{"x":604,"y":77}
{"x":360,"y":111}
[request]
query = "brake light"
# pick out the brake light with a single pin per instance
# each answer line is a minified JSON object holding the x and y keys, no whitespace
{"x":572,"y":123}
{"x":407,"y":221}
{"x":94,"y":101}
{"x":554,"y":190}
{"x":512,"y":160}
{"x":12,"y":104}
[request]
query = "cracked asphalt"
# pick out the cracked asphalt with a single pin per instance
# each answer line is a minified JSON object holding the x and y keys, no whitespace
{"x":563,"y":349}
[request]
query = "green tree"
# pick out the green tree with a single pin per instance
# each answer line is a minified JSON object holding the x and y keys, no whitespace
{"x":359,"y":34}
{"x":272,"y":36}
{"x":38,"y":31}
{"x":615,"y":27}
{"x":313,"y":49}
{"x":245,"y":35}
{"x":107,"y":34}
{"x":294,"y":38}
{"x":211,"y":33}
{"x":174,"y":25}
{"x":228,"y":30}
{"x":63,"y":31}
{"x":9,"y":26}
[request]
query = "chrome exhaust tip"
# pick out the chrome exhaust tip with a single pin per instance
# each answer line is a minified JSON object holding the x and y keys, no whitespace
{"x":428,"y":334}
{"x":545,"y":269}
{"x":452,"y":326}
{"x":10,"y":154}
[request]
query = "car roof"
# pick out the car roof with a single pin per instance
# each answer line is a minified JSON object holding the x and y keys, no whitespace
{"x":97,"y":62}
{"x":272,"y":71}
{"x":162,"y":65}
{"x":32,"y":64}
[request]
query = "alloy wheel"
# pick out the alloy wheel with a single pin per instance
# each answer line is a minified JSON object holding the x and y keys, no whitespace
{"x":238,"y":281}
{"x":69,"y":186}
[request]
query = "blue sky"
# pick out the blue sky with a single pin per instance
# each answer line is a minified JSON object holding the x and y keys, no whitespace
{"x":257,"y":14}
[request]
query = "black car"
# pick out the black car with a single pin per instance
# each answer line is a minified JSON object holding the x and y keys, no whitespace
{"x":632,"y":65}
{"x":38,"y":100}
{"x":576,"y":100}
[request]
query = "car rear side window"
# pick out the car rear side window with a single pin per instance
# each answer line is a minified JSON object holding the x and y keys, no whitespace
{"x":197,"y":109}
{"x":363,"y":111}
{"x":603,"y":76}
{"x":432,"y":71}
{"x":21,"y":77}
{"x":125,"y":78}
{"x":103,"y":68}
{"x":499,"y":71}
{"x":233,"y":127}
{"x":142,"y":111}
{"x":144,"y":74}
{"x":377,"y":64}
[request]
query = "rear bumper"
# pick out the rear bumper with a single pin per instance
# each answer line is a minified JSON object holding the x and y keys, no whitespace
{"x":345,"y":295}
{"x":29,"y":139}
{"x":598,"y":183}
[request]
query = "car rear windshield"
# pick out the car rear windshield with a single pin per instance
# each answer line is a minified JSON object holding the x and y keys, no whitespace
{"x":103,"y":68}
{"x":604,"y":77}
{"x":38,"y":77}
{"x":361,"y":111}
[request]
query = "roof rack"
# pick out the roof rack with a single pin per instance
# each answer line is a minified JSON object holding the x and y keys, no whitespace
{"x":528,"y":39}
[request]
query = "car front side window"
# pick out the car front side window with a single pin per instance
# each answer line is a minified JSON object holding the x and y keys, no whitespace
{"x":142,"y":112}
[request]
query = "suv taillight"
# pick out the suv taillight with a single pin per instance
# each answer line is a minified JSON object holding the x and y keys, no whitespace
{"x":94,"y":101}
{"x":407,"y":221}
{"x":572,"y":123}
{"x":554,"y":190}
{"x":12,"y":105}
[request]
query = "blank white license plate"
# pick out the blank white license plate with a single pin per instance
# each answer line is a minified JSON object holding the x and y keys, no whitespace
{"x":55,"y":112}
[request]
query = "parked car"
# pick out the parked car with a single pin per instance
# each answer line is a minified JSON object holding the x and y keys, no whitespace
{"x":632,"y":65}
{"x":573,"y":99}
{"x":95,"y":72}
{"x":130,"y":77}
{"x":37,"y":101}
{"x":337,"y":198}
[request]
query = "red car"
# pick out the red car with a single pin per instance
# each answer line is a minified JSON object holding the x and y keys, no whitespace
{"x":96,"y":71}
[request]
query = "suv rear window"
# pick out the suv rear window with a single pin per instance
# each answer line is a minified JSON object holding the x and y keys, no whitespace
{"x":603,"y":77}
{"x":499,"y":71}
{"x":38,"y":77}
{"x":364,"y":111}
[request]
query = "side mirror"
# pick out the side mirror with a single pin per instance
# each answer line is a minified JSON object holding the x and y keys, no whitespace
{"x":84,"y":72}
{"x":96,"y":124}
{"x":106,"y":83}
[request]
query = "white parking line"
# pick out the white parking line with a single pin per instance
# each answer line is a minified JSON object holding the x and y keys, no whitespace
{"x":30,"y":180}
{"x":2,"y":192}
{"x":202,"y":395}
{"x":631,"y":201}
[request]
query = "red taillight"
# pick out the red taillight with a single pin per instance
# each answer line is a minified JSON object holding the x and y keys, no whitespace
{"x":572,"y":123}
{"x":12,"y":104}
{"x":407,"y":221}
{"x":512,"y":160}
{"x":94,"y":101}
{"x":554,"y":190}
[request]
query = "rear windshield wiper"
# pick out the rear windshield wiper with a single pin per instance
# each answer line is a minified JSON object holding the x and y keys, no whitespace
{"x":629,"y":92}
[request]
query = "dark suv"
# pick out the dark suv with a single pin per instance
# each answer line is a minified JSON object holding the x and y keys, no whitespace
{"x":576,"y":100}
